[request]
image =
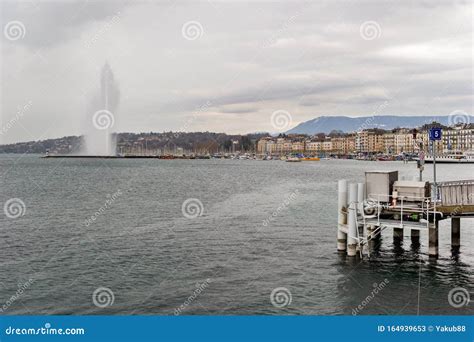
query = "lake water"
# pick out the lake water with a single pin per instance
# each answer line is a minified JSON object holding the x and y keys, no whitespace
{"x":119,"y":224}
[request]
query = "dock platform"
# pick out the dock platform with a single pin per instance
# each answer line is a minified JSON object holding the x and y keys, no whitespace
{"x":418,"y":206}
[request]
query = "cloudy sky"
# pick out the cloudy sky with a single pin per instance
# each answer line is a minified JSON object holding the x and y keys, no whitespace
{"x":226,"y":66}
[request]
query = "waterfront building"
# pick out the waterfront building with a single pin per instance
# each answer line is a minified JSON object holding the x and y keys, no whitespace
{"x":338,"y":145}
{"x":314,"y":146}
{"x":262,"y":145}
{"x":297,"y":146}
{"x":388,"y":140}
{"x":369,"y":141}
{"x":361,"y":142}
{"x":327,"y":145}
{"x":271,"y":147}
{"x":285,"y":146}
{"x":458,"y":138}
{"x":455,"y":139}
{"x":349,"y":144}
{"x":377,"y":143}
{"x":404,"y":141}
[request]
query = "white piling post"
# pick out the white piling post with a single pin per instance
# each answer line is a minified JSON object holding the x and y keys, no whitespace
{"x":361,"y":195}
{"x":341,"y":216}
{"x":352,"y":223}
{"x":360,"y":203}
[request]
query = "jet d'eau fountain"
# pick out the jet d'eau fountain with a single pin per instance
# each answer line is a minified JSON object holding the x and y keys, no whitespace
{"x":99,"y":137}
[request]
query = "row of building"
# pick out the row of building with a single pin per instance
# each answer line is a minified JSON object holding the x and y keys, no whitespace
{"x":459,"y":138}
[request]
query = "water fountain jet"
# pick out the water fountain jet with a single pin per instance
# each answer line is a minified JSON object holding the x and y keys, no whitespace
{"x":100,"y":138}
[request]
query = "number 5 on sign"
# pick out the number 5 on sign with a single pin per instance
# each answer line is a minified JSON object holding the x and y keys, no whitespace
{"x":435,"y":134}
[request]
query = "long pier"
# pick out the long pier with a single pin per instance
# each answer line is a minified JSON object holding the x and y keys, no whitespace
{"x":383,"y":202}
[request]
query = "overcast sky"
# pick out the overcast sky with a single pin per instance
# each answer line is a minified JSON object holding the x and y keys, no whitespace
{"x":226,"y":66}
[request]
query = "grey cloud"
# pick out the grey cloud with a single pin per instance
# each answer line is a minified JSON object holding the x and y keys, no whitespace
{"x":237,"y":109}
{"x":272,"y":90}
{"x":50,"y":23}
{"x":252,"y":58}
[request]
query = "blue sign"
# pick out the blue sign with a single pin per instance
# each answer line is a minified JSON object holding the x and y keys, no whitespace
{"x":435,"y":133}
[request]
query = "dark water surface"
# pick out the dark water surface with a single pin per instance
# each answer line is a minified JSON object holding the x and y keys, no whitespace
{"x":153,"y":258}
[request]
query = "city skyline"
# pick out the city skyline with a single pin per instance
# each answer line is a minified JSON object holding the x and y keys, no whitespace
{"x":458,"y":137}
{"x":229,"y":67}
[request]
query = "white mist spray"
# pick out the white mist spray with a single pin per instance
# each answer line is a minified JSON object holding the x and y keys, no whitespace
{"x":100,"y":139}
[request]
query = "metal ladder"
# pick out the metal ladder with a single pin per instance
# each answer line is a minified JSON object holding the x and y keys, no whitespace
{"x":363,"y":240}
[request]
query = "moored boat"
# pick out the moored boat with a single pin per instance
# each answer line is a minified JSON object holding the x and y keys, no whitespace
{"x":452,"y":158}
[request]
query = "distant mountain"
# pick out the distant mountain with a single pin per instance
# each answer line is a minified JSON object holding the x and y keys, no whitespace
{"x":325,"y":124}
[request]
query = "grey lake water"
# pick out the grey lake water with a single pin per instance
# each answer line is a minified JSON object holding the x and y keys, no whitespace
{"x":89,"y":224}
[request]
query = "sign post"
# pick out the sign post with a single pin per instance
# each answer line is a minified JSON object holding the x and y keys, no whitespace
{"x":435,"y":135}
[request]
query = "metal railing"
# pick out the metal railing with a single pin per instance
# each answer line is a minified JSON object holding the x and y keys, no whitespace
{"x":403,"y":204}
{"x":456,"y":192}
